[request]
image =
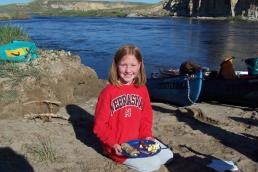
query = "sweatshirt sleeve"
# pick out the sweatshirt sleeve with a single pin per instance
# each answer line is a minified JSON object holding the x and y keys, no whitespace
{"x":147,"y":117}
{"x":101,"y":120}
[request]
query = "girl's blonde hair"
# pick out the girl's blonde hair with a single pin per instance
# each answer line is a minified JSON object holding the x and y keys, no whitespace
{"x":121,"y":52}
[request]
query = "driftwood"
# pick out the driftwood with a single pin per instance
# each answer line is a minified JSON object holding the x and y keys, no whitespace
{"x":45,"y":116}
{"x":47,"y":102}
{"x":44,"y":101}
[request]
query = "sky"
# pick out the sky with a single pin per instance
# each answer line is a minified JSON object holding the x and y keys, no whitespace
{"x":14,"y":1}
{"x":2,"y":2}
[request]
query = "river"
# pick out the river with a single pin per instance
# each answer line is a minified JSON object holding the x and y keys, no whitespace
{"x":163,"y":41}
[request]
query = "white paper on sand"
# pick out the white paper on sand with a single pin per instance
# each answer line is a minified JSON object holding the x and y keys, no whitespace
{"x":221,"y":165}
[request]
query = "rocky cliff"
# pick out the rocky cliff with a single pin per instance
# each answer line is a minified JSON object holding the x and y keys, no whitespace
{"x":213,"y":8}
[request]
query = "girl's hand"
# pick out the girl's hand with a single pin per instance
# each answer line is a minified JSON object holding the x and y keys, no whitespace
{"x":118,"y":149}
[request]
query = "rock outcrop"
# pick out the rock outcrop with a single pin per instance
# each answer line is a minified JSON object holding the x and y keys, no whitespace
{"x":43,"y":85}
{"x":213,"y":8}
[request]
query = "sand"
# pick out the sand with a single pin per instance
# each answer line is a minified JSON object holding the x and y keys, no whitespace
{"x":197,"y":134}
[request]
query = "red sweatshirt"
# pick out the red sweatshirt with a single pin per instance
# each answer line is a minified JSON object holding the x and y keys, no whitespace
{"x":122,"y":113}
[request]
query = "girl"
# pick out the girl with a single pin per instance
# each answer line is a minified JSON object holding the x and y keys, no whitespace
{"x":123,"y":111}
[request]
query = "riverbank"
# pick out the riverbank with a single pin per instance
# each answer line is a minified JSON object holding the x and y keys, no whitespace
{"x":47,"y":124}
{"x":121,"y":9}
{"x":223,"y":133}
{"x":82,"y":8}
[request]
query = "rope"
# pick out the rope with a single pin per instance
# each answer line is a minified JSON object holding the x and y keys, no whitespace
{"x":188,"y":90}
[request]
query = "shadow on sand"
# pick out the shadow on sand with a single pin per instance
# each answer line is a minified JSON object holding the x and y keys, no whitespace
{"x":241,"y":143}
{"x":10,"y":161}
{"x":192,"y":163}
{"x":249,"y":121}
{"x":82,"y":122}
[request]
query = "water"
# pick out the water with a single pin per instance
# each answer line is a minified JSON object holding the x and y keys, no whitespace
{"x":163,"y":41}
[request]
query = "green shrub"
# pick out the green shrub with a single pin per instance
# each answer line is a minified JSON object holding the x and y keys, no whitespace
{"x":9,"y":33}
{"x":42,"y":149}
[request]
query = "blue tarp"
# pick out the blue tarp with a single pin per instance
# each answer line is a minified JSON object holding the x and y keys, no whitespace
{"x":18,"y":51}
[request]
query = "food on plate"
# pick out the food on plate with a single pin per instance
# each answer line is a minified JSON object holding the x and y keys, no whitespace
{"x":130,"y":150}
{"x":152,"y":147}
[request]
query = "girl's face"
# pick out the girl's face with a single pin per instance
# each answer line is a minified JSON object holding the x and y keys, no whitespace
{"x":128,"y":69}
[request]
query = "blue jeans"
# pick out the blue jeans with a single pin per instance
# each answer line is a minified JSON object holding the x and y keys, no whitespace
{"x":151,"y":163}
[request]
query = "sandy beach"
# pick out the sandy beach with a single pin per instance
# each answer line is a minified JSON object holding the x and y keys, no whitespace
{"x":197,"y":135}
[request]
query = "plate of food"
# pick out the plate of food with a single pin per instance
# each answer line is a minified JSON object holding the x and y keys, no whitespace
{"x":140,"y":148}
